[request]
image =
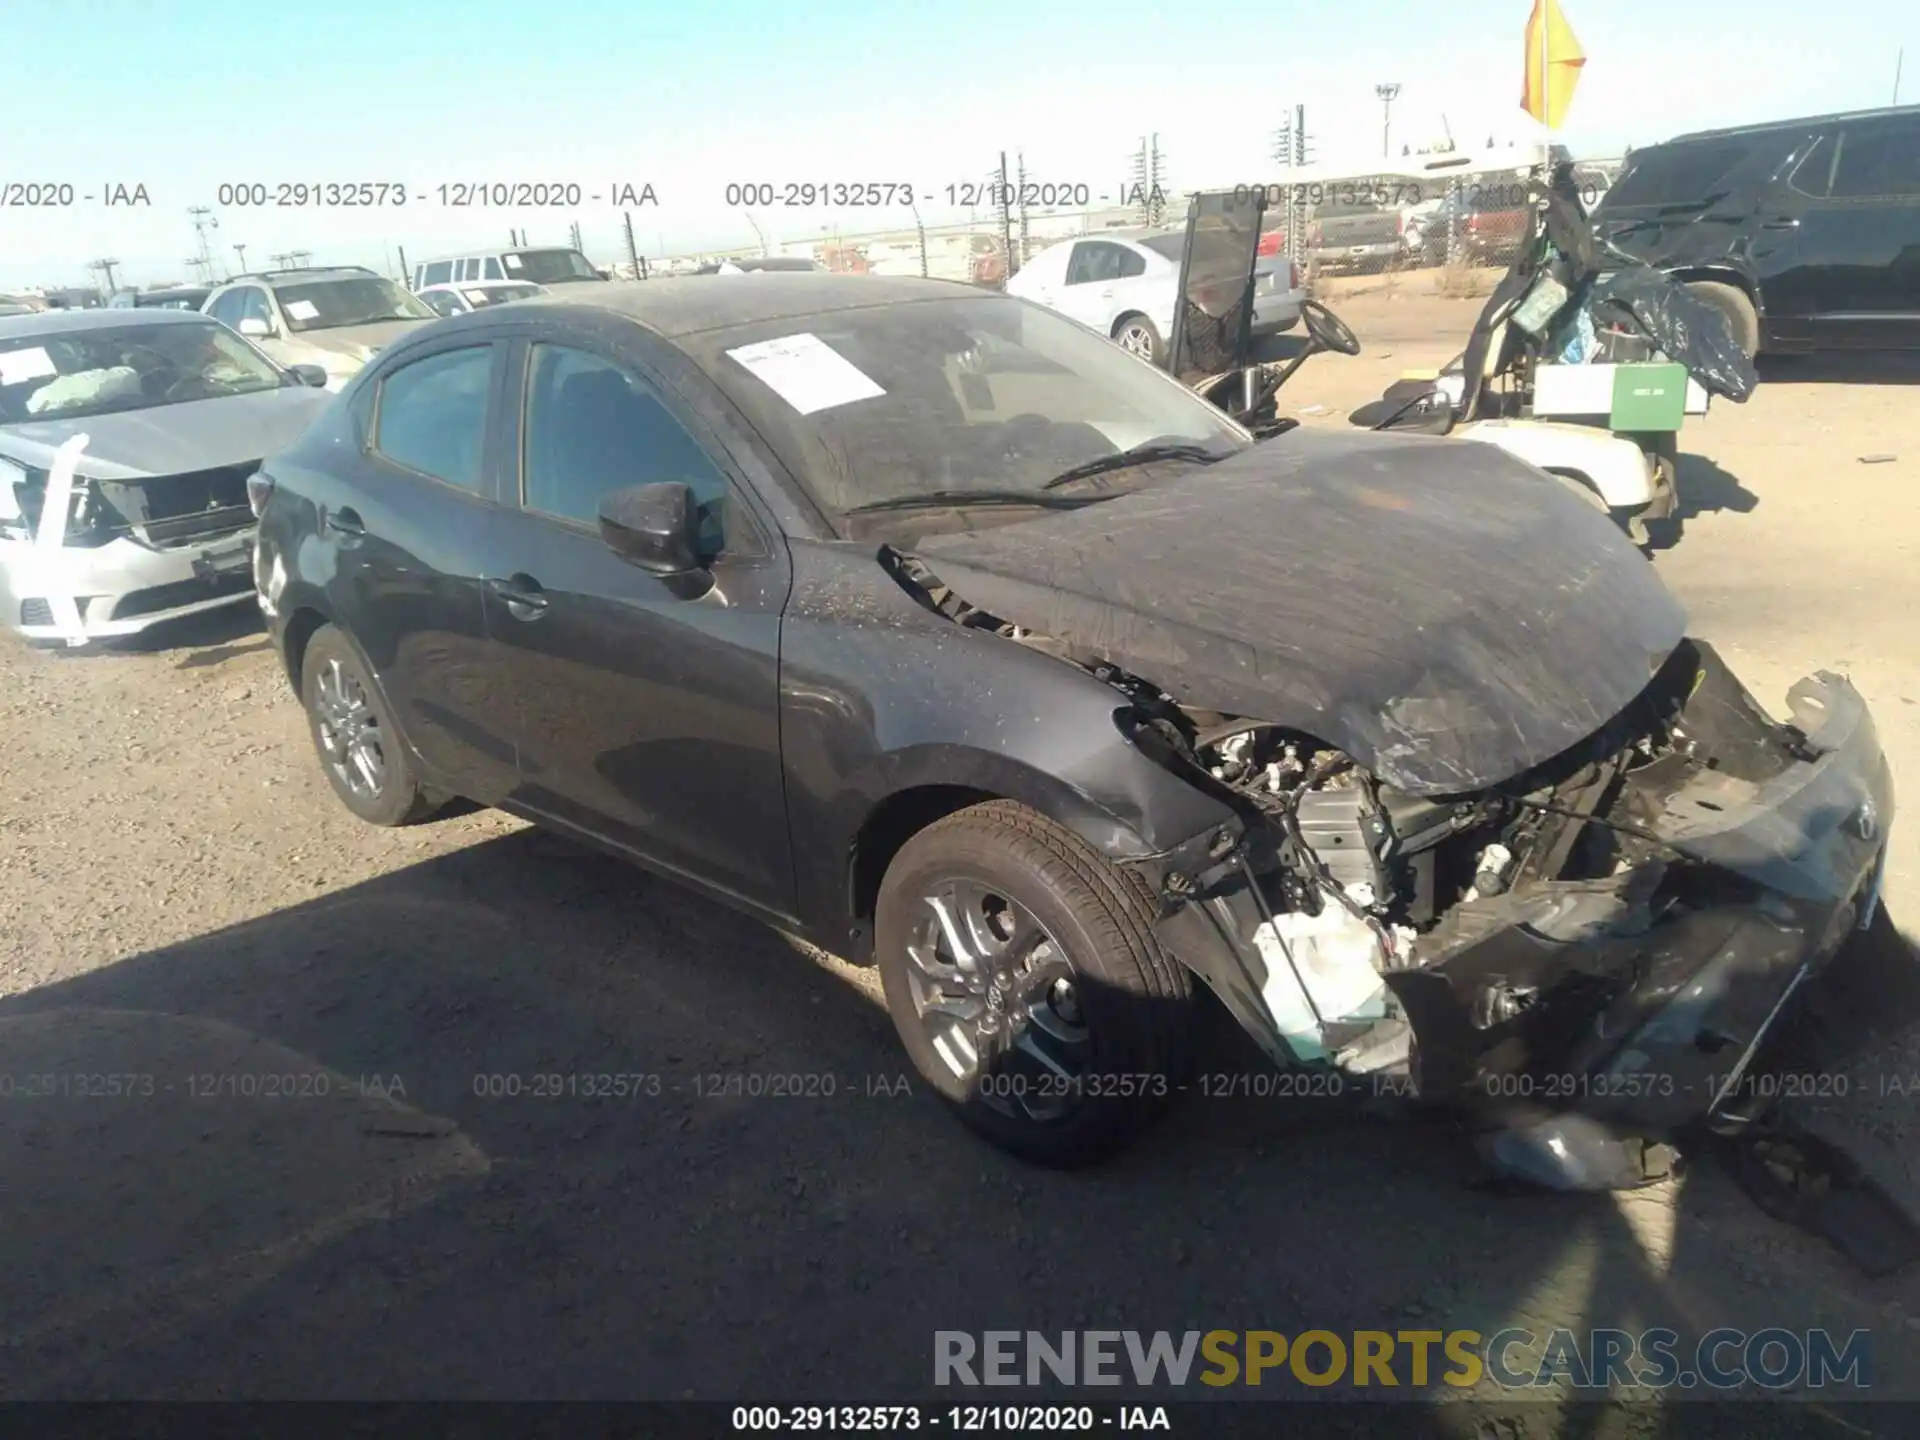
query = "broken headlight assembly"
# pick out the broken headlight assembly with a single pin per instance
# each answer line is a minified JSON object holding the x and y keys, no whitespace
{"x":23,"y":500}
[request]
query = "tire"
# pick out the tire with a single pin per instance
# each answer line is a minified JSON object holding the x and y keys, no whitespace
{"x":335,"y":682}
{"x":1135,"y":1002}
{"x":1138,"y":335}
{"x":1732,"y":302}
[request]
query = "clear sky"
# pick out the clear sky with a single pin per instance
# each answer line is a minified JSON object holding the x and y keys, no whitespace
{"x":689,"y":96}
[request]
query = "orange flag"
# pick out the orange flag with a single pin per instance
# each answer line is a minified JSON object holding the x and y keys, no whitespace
{"x":1554,"y":59}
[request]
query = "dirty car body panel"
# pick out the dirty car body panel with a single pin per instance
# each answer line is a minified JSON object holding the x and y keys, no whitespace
{"x":1413,"y":752}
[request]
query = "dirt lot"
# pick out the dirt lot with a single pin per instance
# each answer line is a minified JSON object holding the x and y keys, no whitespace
{"x":182,"y":904}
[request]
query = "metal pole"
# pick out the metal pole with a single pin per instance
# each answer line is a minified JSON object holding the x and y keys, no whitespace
{"x":406,"y":275}
{"x":1006,"y":218}
{"x":1898,"y":62}
{"x":633,"y":253}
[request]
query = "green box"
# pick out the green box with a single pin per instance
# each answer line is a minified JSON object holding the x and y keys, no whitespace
{"x":1649,"y":397}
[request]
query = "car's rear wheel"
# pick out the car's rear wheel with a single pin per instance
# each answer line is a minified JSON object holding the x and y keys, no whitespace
{"x":1732,"y":302}
{"x":361,"y":753}
{"x":1138,"y":335}
{"x":1023,"y":975}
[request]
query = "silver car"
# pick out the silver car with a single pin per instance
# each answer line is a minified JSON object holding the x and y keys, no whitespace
{"x":337,"y":318}
{"x":126,"y":441}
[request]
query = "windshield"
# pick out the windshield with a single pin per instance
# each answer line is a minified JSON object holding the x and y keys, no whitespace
{"x":77,"y":373}
{"x":972,"y":393}
{"x":354,"y":300}
{"x":548,"y":267}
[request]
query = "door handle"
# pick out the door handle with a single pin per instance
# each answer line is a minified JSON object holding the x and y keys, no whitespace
{"x":522,"y":595}
{"x":345,"y":522}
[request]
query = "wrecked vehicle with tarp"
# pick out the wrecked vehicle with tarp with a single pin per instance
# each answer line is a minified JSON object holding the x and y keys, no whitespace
{"x":126,"y":442}
{"x":981,"y":651}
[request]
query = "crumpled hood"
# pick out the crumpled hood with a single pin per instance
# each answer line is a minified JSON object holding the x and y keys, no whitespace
{"x":172,"y":439}
{"x":358,"y":343}
{"x":1444,"y":613}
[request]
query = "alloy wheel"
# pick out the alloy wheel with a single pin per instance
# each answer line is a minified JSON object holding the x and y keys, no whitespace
{"x":998,"y":999}
{"x":1136,"y":339}
{"x":349,"y":731}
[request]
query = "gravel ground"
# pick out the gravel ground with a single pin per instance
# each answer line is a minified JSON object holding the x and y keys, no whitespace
{"x":183,"y":906}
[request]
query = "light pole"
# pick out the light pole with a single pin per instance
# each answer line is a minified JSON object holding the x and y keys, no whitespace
{"x":241,"y":251}
{"x":1386,"y":93}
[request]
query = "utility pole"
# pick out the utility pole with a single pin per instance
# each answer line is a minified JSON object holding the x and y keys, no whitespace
{"x":633,"y":251}
{"x":1149,"y":176}
{"x":204,"y":220}
{"x":300,"y":258}
{"x":1020,"y":161}
{"x":1899,"y":61}
{"x":764,"y":250}
{"x":1386,"y":94}
{"x":104,"y":269}
{"x":241,"y":251}
{"x":920,"y":226}
{"x":1283,"y":145}
{"x":406,"y":275}
{"x":574,"y":231}
{"x":1003,"y":197}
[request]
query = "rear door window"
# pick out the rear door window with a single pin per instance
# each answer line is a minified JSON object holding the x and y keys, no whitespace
{"x":439,"y":272}
{"x":433,"y":415}
{"x":1686,"y":174}
{"x":1879,"y":160}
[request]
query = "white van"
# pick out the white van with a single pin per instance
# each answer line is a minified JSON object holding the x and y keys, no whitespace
{"x":539,"y":265}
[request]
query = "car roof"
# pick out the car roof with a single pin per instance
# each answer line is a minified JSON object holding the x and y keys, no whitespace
{"x":688,"y":304}
{"x":302,"y":276}
{"x":496,"y":250}
{"x":1799,"y":122}
{"x":477,"y":284}
{"x":50,"y":322}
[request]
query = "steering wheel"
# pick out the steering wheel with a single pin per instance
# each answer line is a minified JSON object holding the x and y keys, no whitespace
{"x":1328,"y":329}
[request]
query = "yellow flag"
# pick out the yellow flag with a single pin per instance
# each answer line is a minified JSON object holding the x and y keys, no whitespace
{"x":1554,"y":58}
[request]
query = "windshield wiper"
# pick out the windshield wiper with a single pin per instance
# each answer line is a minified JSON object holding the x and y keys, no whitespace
{"x":1139,"y":455}
{"x":931,"y":498}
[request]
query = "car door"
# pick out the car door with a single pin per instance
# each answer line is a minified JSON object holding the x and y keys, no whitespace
{"x":647,"y":705}
{"x":409,"y":546}
{"x":1090,"y":293}
{"x":1863,"y":236}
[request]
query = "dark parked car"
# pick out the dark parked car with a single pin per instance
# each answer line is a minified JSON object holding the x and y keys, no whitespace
{"x":1805,"y":232}
{"x":929,"y":625}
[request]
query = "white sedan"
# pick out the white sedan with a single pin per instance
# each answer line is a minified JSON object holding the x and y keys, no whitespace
{"x":1125,"y":285}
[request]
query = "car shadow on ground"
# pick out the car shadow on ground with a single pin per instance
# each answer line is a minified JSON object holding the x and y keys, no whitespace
{"x":1842,"y":367}
{"x":523,"y":1122}
{"x":210,"y":637}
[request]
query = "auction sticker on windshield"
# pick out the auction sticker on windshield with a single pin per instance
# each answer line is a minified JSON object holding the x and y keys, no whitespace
{"x":19,"y":366}
{"x":303,"y":310}
{"x":806,"y":372}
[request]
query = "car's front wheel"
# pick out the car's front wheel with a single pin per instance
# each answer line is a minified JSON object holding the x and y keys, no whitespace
{"x":1023,"y":975}
{"x":361,"y":753}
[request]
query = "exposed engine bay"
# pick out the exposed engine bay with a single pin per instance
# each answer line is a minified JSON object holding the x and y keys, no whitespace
{"x":1645,"y":899}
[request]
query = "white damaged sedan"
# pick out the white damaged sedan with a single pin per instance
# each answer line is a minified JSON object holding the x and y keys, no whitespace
{"x":126,"y":442}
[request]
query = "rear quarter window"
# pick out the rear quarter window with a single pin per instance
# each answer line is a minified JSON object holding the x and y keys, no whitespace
{"x":1688,"y":174}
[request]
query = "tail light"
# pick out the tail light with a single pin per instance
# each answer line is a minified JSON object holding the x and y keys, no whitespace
{"x":1293,"y":275}
{"x":259,"y":488}
{"x":1400,"y":222}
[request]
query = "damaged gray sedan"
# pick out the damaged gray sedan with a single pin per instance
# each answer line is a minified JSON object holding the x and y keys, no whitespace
{"x":932,"y":627}
{"x":126,"y":441}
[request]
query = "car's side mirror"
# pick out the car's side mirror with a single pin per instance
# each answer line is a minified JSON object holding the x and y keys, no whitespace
{"x":253,"y":325}
{"x":314,"y":375}
{"x":656,"y":527}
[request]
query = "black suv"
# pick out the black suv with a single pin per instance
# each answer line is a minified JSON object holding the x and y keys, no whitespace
{"x":1805,"y":232}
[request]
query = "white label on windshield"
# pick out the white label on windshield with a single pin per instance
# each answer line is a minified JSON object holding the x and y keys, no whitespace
{"x":302,"y":310}
{"x":19,"y":366}
{"x":806,"y":372}
{"x":512,"y":262}
{"x":478,"y":297}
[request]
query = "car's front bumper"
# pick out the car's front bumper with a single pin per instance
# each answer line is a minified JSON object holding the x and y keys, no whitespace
{"x":119,"y":588}
{"x":1623,"y":1035}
